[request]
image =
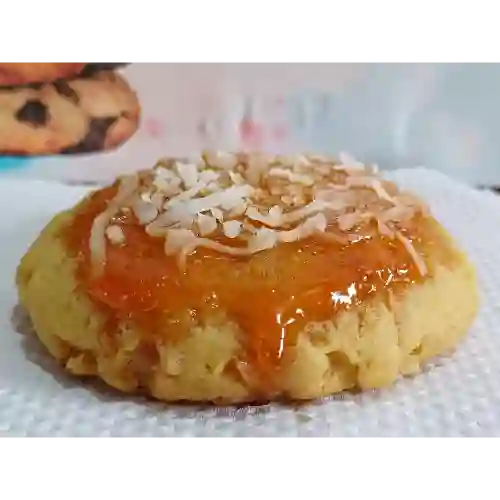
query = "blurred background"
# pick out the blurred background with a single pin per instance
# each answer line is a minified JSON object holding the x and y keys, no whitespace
{"x":443,"y":116}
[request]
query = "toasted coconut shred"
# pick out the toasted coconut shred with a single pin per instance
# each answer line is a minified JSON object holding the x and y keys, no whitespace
{"x":242,"y":204}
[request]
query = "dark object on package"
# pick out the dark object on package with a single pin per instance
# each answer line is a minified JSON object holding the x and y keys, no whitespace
{"x":109,"y":62}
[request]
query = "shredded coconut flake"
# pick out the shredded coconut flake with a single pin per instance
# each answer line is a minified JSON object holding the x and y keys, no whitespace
{"x":115,"y":235}
{"x":284,"y":173}
{"x":145,"y":211}
{"x":419,"y":261}
{"x":261,"y":201}
{"x":97,"y":242}
{"x":188,"y":173}
{"x":206,"y":224}
{"x":232,"y":228}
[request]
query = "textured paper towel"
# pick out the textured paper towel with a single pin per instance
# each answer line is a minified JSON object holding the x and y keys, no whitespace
{"x":456,"y":396}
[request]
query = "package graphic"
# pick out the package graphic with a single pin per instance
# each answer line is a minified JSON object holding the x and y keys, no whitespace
{"x":441,"y":116}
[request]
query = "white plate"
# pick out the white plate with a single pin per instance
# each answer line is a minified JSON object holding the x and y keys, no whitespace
{"x":457,"y":396}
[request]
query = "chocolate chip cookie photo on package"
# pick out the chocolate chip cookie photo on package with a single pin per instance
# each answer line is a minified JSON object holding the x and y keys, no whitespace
{"x":50,"y":109}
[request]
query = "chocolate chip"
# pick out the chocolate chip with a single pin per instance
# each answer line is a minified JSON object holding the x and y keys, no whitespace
{"x":36,"y":86}
{"x":33,"y":86}
{"x":88,"y":72}
{"x":97,"y":64}
{"x":33,"y":112}
{"x":63,"y":88}
{"x":109,"y":62}
{"x":95,"y":138}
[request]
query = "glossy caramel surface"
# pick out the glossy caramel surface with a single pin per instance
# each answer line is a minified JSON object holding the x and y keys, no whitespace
{"x":271,"y":295}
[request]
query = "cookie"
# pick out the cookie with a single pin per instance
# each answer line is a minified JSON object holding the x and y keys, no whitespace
{"x":236,"y":278}
{"x":26,"y":73}
{"x":82,"y":115}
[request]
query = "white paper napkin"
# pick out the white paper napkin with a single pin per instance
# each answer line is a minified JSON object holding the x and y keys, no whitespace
{"x":456,"y":396}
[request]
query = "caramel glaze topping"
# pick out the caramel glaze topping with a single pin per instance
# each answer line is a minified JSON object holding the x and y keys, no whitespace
{"x":271,"y":294}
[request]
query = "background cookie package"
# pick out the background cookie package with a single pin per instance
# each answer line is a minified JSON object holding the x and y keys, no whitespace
{"x":399,"y":115}
{"x":64,"y":108}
